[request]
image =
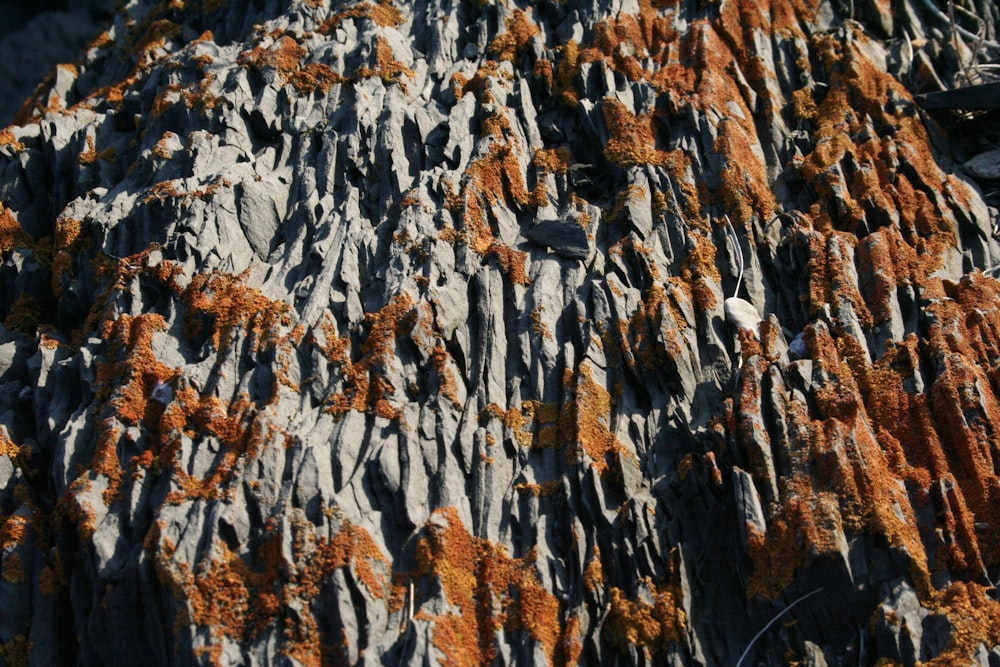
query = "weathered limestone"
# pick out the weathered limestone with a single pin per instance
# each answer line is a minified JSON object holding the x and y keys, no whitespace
{"x":386,"y":333}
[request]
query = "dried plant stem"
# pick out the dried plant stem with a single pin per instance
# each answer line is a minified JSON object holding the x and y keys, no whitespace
{"x":739,"y":255}
{"x":781,"y":613}
{"x":941,"y":16}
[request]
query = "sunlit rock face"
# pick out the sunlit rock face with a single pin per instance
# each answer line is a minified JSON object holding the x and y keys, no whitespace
{"x":415,"y":333}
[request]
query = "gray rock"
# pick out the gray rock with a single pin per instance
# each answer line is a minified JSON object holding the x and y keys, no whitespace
{"x":985,"y":165}
{"x":370,"y":337}
{"x":567,"y":238}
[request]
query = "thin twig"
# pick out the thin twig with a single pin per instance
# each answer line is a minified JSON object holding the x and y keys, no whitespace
{"x":739,"y":255}
{"x":409,"y":611}
{"x":771,"y":622}
{"x":978,"y":48}
{"x":929,"y":5}
{"x":967,"y":67}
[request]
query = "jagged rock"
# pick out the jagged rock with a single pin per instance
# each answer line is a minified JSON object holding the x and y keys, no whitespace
{"x":37,"y":36}
{"x":566,"y":237}
{"x":985,"y":165}
{"x":431,"y":332}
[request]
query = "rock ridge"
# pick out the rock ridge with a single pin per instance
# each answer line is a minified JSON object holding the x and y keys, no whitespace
{"x":396,"y":333}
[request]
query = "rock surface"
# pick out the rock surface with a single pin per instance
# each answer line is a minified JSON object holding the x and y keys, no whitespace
{"x":395,"y":334}
{"x":36,"y":36}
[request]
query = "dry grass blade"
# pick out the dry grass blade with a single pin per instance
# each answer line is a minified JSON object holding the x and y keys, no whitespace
{"x":781,"y":613}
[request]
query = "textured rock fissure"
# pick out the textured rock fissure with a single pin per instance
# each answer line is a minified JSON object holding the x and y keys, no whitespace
{"x":401,"y":333}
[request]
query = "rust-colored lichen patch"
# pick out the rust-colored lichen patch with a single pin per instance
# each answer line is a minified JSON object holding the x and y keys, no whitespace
{"x":365,"y":387}
{"x":489,"y":591}
{"x":195,"y":95}
{"x":383,"y":12}
{"x":651,"y":624}
{"x":285,"y":57}
{"x":496,"y":178}
{"x":167,"y":191}
{"x":16,"y":651}
{"x":589,"y":418}
{"x":11,"y":233}
{"x":844,"y":478}
{"x":386,"y":66}
{"x":632,"y":141}
{"x":518,"y":32}
{"x":803,"y":104}
{"x":552,"y":160}
{"x":699,"y":273}
{"x":806,"y":527}
{"x":7,"y":138}
{"x":226,"y":304}
{"x":975,"y":616}
{"x":240,"y":596}
{"x":535,"y":424}
{"x":745,"y":189}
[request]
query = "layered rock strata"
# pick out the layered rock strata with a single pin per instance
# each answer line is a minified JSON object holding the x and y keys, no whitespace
{"x":396,"y":333}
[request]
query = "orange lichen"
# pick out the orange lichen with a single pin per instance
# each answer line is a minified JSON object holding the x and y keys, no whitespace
{"x":744,"y":187}
{"x":511,"y":261}
{"x":535,"y":424}
{"x":699,"y":273}
{"x":805,"y":527}
{"x":489,"y":590}
{"x":544,"y":72}
{"x":138,"y":372}
{"x":632,"y":141}
{"x":353,"y":547}
{"x":975,"y":618}
{"x":593,"y":573}
{"x":11,"y":233}
{"x":566,"y":71}
{"x":543,"y":490}
{"x":446,"y":379}
{"x":16,"y":651}
{"x":627,"y":43}
{"x":855,"y":173}
{"x":166,"y":191}
{"x":126,"y":382}
{"x":241,"y":596}
{"x":7,"y":138}
{"x":239,"y":432}
{"x":196,"y":95}
{"x":843,"y":479}
{"x":490,"y":71}
{"x":651,"y":625}
{"x":804,"y":105}
{"x":518,"y":31}
{"x":889,"y":262}
{"x":223,"y":301}
{"x":285,"y":57}
{"x":24,"y":316}
{"x":79,"y":510}
{"x":13,"y":530}
{"x":89,"y":156}
{"x":552,"y":161}
{"x":646,"y":329}
{"x":494,"y":179}
{"x":386,"y":67}
{"x":383,"y":12}
{"x":678,"y":165}
{"x":365,"y":387}
{"x":51,"y":581}
{"x":590,"y":417}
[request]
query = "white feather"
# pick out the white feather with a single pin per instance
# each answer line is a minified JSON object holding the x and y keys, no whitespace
{"x":742,"y":314}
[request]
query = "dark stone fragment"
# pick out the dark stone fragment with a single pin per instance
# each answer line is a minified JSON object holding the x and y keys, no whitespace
{"x":566,"y":238}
